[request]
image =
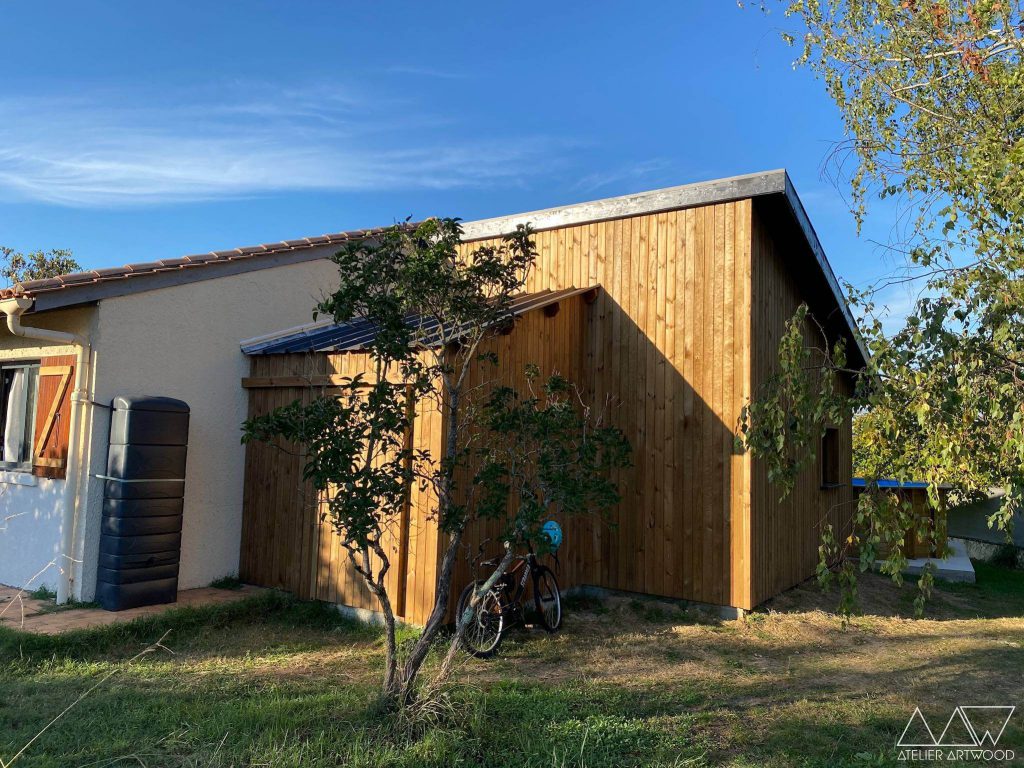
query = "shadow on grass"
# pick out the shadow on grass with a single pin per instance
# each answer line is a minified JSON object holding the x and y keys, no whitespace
{"x":185,"y":624}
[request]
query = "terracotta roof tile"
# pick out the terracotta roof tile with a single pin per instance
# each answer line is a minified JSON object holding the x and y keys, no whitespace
{"x":254,"y":249}
{"x":145,"y":266}
{"x":277,"y":247}
{"x":77,"y":277}
{"x":46,"y":282}
{"x":199,"y":258}
{"x":108,"y":272}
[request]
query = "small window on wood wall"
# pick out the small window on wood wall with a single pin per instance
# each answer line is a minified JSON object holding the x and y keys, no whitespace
{"x":830,"y":458}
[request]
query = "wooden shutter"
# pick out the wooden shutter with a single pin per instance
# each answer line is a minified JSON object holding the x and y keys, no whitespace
{"x":53,"y":416}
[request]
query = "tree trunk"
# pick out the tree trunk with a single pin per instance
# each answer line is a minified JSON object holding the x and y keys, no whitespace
{"x":390,"y":686}
{"x":434,"y":623}
{"x":442,"y":593}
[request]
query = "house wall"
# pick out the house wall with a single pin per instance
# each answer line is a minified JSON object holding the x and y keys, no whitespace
{"x":667,"y":345}
{"x":786,"y":532}
{"x":183,"y":342}
{"x":32,"y":508}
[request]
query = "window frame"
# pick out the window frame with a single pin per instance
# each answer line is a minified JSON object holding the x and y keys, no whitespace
{"x":831,"y":471}
{"x":31,"y":413}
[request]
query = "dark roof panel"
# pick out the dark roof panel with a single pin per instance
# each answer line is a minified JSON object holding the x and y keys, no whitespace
{"x":357,"y":334}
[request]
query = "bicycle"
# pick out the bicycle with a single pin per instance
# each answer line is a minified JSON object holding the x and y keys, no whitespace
{"x":503,"y":605}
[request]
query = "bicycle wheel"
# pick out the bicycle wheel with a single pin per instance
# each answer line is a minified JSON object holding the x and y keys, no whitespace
{"x":486,"y":628}
{"x":547,"y":598}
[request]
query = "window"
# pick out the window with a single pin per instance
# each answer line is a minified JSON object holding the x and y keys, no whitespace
{"x":830,"y":458}
{"x":19,"y":385}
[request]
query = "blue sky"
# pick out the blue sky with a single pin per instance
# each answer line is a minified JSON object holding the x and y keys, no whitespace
{"x":136,"y":131}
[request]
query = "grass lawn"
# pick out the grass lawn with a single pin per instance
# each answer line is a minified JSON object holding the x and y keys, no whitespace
{"x":272,"y":682}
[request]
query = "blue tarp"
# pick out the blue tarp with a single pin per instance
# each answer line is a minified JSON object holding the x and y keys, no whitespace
{"x":860,"y":482}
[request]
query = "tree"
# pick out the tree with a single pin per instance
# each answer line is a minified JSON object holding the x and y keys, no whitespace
{"x":17,"y":267}
{"x":931,"y":95}
{"x":526,"y":455}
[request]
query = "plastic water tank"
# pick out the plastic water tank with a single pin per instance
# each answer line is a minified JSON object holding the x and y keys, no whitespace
{"x":144,"y":489}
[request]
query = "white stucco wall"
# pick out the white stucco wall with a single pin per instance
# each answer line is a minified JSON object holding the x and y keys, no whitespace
{"x":183,"y":342}
{"x":30,"y":531}
{"x":31,"y":508}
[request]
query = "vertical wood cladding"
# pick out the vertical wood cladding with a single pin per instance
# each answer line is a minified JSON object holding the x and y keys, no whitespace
{"x":685,"y":327}
{"x":666,"y":349}
{"x":786,"y":532}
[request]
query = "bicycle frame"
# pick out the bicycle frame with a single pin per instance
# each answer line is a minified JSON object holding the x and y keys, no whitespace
{"x":505,"y":603}
{"x":528,"y":565}
{"x":512,"y":584}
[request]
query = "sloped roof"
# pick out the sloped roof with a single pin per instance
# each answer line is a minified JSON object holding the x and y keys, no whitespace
{"x":81,"y":287}
{"x":773,"y":187}
{"x":355,"y":335}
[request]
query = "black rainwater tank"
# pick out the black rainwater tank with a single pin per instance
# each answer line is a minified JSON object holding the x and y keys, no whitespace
{"x":144,"y":490}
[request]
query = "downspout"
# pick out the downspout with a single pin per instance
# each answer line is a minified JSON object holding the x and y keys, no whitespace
{"x":14,"y":308}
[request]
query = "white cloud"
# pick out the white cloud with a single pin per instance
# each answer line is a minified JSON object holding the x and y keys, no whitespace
{"x":119,"y":149}
{"x":633,"y":172}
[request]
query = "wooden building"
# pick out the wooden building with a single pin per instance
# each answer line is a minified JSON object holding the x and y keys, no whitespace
{"x":671,"y":304}
{"x":928,"y":536}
